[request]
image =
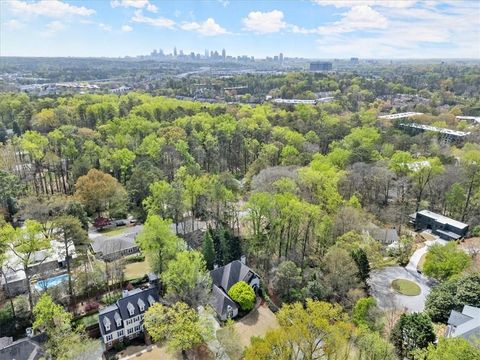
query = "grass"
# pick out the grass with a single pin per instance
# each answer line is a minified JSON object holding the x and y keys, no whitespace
{"x":114,"y":231}
{"x":136,"y":270}
{"x":406,"y":287}
{"x":421,"y":262}
{"x":88,"y":320}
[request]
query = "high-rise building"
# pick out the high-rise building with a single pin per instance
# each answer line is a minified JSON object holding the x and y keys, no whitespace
{"x":320,"y":66}
{"x":206,"y":53}
{"x":280,"y":57}
{"x":224,"y":54}
{"x":175,"y":51}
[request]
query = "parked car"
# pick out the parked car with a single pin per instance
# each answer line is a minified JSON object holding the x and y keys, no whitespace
{"x":120,"y":223}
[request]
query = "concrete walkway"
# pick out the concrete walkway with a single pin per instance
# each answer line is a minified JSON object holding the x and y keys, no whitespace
{"x":417,"y":255}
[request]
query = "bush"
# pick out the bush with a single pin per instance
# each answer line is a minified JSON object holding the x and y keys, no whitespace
{"x":444,"y":261}
{"x":111,"y":298}
{"x":243,"y":294}
{"x":91,"y":305}
{"x":134,"y":258}
{"x":476,"y":231}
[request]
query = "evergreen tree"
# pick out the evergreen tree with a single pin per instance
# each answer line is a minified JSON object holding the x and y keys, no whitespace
{"x":208,"y":250}
{"x":360,"y":257}
{"x":411,"y":332}
{"x":219,"y":245}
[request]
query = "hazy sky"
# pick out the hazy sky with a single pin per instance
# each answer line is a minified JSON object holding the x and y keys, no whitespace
{"x":313,"y":29}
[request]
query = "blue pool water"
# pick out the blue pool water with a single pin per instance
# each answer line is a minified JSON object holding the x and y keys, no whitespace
{"x":45,"y":284}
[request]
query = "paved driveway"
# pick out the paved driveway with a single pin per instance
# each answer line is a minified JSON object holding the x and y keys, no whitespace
{"x":387,"y":298}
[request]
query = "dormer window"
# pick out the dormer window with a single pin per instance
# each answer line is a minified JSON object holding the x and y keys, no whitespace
{"x":151,"y":300}
{"x":130,"y":308}
{"x":118,"y":319}
{"x":141,"y":304}
{"x":106,"y":323}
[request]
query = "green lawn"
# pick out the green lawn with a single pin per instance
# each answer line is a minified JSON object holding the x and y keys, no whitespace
{"x":421,"y":262}
{"x":114,"y":231}
{"x":88,"y":320}
{"x":406,"y":287}
{"x":136,"y":270}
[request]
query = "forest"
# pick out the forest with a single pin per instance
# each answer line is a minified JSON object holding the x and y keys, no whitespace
{"x":296,"y":189}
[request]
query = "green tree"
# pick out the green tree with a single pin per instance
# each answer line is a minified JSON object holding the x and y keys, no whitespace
{"x":208,"y":250}
{"x":187,"y":279}
{"x":450,"y":349}
{"x":24,"y":243}
{"x":365,"y":313}
{"x":101,"y":192}
{"x":159,"y":242}
{"x":72,"y":236}
{"x":288,"y":281}
{"x":179,"y":325}
{"x":411,"y":332}
{"x":373,"y":346}
{"x":243,"y":294}
{"x":360,"y":257}
{"x":444,"y":261}
{"x":314,"y":331}
{"x":10,"y":189}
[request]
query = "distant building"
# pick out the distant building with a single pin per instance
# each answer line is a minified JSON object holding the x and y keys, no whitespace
{"x":112,"y":248}
{"x":474,"y":119}
{"x":224,"y":54}
{"x":404,"y":115}
{"x":465,"y":324}
{"x":175,"y":51}
{"x":124,"y":319}
{"x":445,"y":227}
{"x":320,"y":66}
{"x":445,"y":135}
{"x":223,"y":279}
{"x":354,"y":60}
{"x":294,"y":101}
{"x":384,"y":236}
{"x":280,"y":57}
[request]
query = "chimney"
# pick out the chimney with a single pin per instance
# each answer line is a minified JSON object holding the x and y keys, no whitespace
{"x":243,"y":259}
{"x":125,"y":293}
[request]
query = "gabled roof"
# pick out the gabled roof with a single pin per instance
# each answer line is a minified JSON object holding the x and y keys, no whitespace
{"x":385,"y":236}
{"x":221,"y":301}
{"x":133,"y":298}
{"x":112,"y":246}
{"x":227,"y":276}
{"x":465,"y":324}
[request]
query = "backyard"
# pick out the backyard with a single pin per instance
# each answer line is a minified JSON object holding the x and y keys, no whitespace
{"x":136,"y":270}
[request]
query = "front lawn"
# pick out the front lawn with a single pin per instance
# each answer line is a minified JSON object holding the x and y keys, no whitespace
{"x":406,"y":287}
{"x":113,"y":231}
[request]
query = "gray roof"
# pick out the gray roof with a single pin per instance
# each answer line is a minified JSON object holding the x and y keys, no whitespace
{"x":113,"y":245}
{"x":223,"y":279}
{"x":227,"y":276}
{"x":120,"y":308}
{"x":465,"y":324}
{"x":24,"y":349}
{"x":220,"y":302}
{"x":385,"y":236}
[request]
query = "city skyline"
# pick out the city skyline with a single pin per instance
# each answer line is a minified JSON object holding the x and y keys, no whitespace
{"x":308,"y":29}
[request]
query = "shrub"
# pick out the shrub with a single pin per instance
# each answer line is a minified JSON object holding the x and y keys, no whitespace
{"x":91,"y":305}
{"x":243,"y":294}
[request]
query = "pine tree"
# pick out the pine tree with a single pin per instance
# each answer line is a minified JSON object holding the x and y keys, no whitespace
{"x":208,"y":251}
{"x":361,"y":259}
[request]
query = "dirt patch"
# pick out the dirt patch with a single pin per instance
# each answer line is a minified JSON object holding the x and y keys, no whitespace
{"x":257,"y":323}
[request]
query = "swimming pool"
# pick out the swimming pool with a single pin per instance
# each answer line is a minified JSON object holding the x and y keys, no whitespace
{"x":53,"y":281}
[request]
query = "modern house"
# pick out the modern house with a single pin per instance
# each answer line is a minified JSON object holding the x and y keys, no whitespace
{"x":465,"y":324}
{"x":124,"y":319}
{"x":444,"y":227}
{"x":223,"y":278}
{"x":44,"y":261}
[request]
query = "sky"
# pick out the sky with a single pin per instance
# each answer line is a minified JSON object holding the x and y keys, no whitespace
{"x":320,"y":29}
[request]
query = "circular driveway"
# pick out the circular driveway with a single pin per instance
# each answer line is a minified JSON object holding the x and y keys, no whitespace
{"x":380,"y":288}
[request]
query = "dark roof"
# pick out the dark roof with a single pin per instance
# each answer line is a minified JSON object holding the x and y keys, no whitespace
{"x":227,"y":276}
{"x":220,"y":302}
{"x":133,"y":298}
{"x":120,"y":308}
{"x":24,"y":349}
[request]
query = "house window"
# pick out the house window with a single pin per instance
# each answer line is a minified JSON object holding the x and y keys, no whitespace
{"x":120,"y":333}
{"x":119,"y":322}
{"x":130,"y":331}
{"x":137,"y":328}
{"x":109,"y":337}
{"x":131,"y":309}
{"x":107,"y":327}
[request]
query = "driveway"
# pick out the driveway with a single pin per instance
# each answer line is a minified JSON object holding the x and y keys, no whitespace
{"x":417,"y":255}
{"x":387,"y":298}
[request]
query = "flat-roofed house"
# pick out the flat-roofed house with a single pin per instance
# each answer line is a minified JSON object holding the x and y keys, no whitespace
{"x":444,"y":227}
